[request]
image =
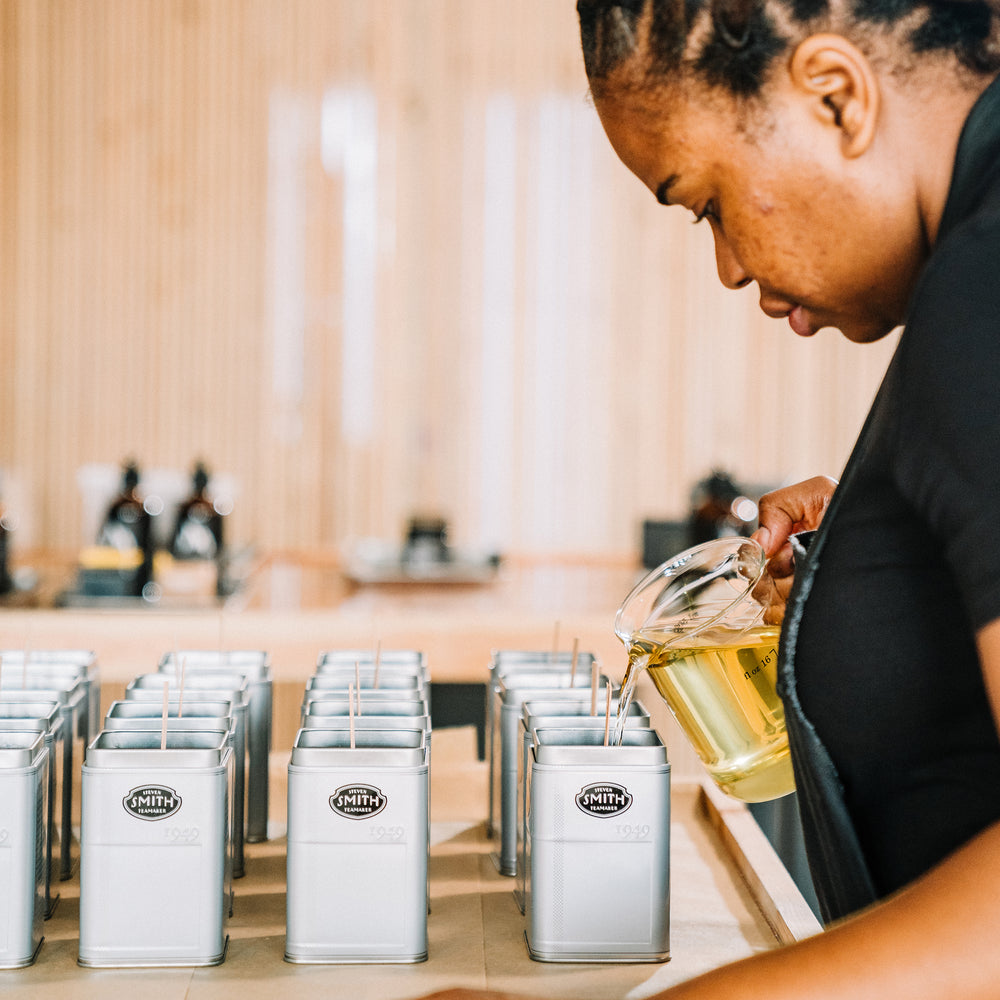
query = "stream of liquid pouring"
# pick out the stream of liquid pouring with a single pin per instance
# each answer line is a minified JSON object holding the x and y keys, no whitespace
{"x":636,"y":665}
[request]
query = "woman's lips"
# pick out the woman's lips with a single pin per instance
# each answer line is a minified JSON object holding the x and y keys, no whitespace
{"x":796,"y":315}
{"x":799,"y":322}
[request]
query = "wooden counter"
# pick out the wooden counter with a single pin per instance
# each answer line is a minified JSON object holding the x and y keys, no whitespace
{"x":730,"y":897}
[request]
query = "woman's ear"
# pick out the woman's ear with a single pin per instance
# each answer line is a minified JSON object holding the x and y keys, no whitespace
{"x":842,"y":84}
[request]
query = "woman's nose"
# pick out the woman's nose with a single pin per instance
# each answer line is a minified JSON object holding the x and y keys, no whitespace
{"x":731,"y":272}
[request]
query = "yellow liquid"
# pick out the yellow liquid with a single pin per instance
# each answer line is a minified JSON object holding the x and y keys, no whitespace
{"x":722,"y":693}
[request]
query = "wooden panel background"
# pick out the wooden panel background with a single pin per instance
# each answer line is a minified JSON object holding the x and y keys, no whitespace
{"x":369,"y":257}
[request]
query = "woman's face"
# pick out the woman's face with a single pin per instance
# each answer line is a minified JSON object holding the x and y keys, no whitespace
{"x":829,"y":239}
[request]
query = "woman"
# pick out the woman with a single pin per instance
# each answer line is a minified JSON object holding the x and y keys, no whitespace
{"x":847,"y":159}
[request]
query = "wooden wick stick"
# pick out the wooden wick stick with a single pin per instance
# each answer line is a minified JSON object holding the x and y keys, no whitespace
{"x":607,"y":712}
{"x":378,"y":662}
{"x":350,"y":711}
{"x":357,"y":682}
{"x":166,"y":715}
{"x":593,"y":688}
{"x":572,"y":669}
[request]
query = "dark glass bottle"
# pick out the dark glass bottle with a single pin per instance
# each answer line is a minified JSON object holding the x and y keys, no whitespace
{"x":6,"y":580}
{"x":198,"y":532}
{"x":128,"y":526}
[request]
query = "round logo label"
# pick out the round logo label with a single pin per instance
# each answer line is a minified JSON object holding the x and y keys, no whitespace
{"x":357,"y":801}
{"x":604,"y":798}
{"x":151,"y":802}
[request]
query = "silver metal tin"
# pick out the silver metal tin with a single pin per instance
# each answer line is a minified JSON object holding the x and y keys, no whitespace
{"x":377,"y":722}
{"x":85,"y":663}
{"x":70,"y":694}
{"x":225,"y":658}
{"x":212,"y":687}
{"x":255,"y":666}
{"x":41,"y":717}
{"x":367,"y":656}
{"x":503,"y":663}
{"x":357,"y":847}
{"x":337,"y":703}
{"x":338,"y":678}
{"x":563,"y":713}
{"x":390,"y":661}
{"x":153,"y":872}
{"x":513,"y":690}
{"x":122,"y":711}
{"x":23,"y":792}
{"x":598,"y":852}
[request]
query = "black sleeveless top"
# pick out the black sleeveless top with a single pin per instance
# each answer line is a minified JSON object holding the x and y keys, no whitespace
{"x":896,"y":753}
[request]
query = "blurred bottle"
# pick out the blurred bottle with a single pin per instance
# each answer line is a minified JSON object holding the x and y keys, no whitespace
{"x":128,"y":527}
{"x":198,"y":530}
{"x":6,"y":580}
{"x":720,"y":509}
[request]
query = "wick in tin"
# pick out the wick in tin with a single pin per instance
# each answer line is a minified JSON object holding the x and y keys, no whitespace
{"x":166,"y":714}
{"x":350,"y":711}
{"x":572,"y":669}
{"x":357,"y":682}
{"x":378,"y":663}
{"x":607,"y":712}
{"x":593,"y":688}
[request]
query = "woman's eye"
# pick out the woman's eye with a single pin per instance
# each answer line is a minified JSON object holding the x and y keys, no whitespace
{"x":708,"y":212}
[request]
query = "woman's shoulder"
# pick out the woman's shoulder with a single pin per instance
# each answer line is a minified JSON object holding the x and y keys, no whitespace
{"x":957,"y":300}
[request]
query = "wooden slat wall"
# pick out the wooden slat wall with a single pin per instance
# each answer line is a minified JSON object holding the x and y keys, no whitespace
{"x":159,"y":157}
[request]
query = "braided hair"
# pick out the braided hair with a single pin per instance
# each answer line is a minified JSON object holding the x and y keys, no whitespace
{"x":733,"y":44}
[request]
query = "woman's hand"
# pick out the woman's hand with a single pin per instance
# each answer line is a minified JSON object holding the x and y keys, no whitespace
{"x":782,"y":513}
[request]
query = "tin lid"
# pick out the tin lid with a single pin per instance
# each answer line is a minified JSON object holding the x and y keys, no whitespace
{"x":536,"y":720}
{"x":26,"y":725}
{"x":503,"y":658}
{"x":337,"y":703}
{"x":367,"y":656}
{"x":132,"y":748}
{"x":84,"y":657}
{"x":66,"y":697}
{"x":372,"y":748}
{"x":44,"y":711}
{"x":367,"y":670}
{"x":153,"y":695}
{"x":574,"y":708}
{"x":187,"y":723}
{"x":367,"y":722}
{"x":586,"y":747}
{"x":255,"y":671}
{"x":518,"y":687}
{"x":224,"y":658}
{"x":191,"y":708}
{"x":19,"y":749}
{"x":211,"y":687}
{"x":341,"y":677}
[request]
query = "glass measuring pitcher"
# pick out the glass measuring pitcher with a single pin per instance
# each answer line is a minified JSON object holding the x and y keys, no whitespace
{"x":696,"y":625}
